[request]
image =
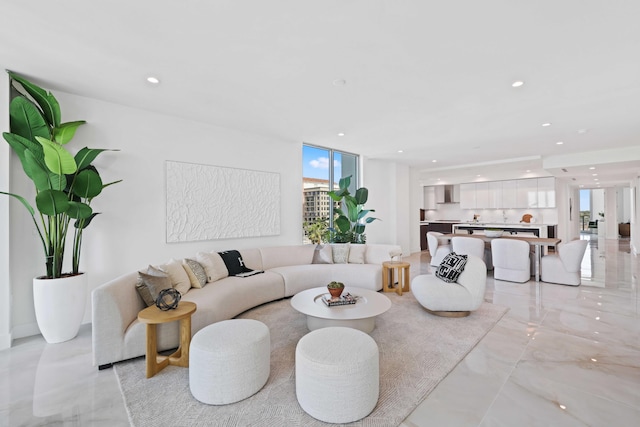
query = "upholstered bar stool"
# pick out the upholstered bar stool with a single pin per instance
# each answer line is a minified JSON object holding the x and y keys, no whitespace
{"x":337,"y":374}
{"x":229,"y":361}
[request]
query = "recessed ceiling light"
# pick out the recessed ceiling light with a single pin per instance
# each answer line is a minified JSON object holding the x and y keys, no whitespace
{"x":153,"y":80}
{"x":559,"y":143}
{"x":341,"y":134}
{"x":596,"y":179}
{"x":528,"y":170}
{"x":592,"y":167}
{"x":434,"y":161}
{"x":594,"y":174}
{"x":339,"y":82}
{"x":478,"y":175}
{"x":517,"y":83}
{"x":562,"y":407}
{"x":400,"y":151}
{"x":544,"y":125}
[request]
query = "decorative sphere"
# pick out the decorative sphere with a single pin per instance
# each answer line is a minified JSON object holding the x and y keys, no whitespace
{"x":168,"y":299}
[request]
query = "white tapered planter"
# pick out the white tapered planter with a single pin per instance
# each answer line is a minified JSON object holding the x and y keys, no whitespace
{"x":59,"y":305}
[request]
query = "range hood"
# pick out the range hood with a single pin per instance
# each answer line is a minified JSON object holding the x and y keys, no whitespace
{"x":448,"y":194}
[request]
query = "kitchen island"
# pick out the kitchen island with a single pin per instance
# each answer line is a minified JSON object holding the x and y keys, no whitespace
{"x":516,"y":229}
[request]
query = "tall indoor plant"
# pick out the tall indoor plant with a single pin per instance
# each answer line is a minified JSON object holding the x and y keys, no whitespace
{"x":65,"y":186}
{"x":351,"y":219}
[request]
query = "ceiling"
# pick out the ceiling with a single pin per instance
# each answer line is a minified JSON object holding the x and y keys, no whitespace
{"x":430,"y":78}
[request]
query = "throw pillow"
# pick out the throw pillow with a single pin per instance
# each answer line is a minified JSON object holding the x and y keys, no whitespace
{"x":356,"y":254}
{"x":150,"y":283}
{"x":322,"y":255}
{"x":179,"y":278}
{"x":234,"y":262}
{"x":213,"y":265}
{"x":451,"y":267}
{"x":196,"y":273}
{"x":340,"y":253}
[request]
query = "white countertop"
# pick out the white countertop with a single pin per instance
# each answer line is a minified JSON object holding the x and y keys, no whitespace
{"x":503,"y":224}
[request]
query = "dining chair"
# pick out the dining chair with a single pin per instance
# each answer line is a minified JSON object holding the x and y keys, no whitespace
{"x":437,"y":250}
{"x":564,"y":268}
{"x":472,"y":246}
{"x":511,"y":260}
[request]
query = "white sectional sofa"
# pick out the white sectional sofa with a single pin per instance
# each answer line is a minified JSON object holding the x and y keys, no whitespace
{"x":118,"y":335}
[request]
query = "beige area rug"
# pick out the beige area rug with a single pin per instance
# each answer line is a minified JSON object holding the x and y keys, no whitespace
{"x":417,"y":350}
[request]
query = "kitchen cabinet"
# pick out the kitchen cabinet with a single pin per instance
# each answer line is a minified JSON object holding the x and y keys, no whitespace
{"x":527,"y":193}
{"x":495,"y":195}
{"x":547,"y":192}
{"x":509,"y":194}
{"x":482,"y":195}
{"x":430,"y":197}
{"x":468,"y":196}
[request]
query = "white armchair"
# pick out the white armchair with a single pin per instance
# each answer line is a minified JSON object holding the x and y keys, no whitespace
{"x":511,"y":260}
{"x":437,"y":250}
{"x":564,"y":268}
{"x":456,"y":299}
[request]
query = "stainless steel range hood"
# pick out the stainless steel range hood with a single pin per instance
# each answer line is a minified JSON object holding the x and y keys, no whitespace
{"x":448,"y":194}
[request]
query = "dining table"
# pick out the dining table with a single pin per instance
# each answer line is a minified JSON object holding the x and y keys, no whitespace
{"x":536,"y":242}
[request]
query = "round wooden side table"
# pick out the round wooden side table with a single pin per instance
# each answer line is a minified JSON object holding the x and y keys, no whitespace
{"x":392,"y":270}
{"x":153,"y":316}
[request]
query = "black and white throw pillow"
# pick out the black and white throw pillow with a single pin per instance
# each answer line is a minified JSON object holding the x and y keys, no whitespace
{"x":451,"y":267}
{"x":235,"y":264}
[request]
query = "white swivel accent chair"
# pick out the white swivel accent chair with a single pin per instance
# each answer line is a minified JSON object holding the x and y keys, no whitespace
{"x":511,"y":260}
{"x":438,"y":251}
{"x":564,"y":268}
{"x":457,"y":299}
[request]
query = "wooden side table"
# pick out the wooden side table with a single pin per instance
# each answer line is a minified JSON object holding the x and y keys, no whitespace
{"x":392,"y":270}
{"x":153,"y":316}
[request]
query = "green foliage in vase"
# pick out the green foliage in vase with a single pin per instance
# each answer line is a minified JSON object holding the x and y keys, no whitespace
{"x":351,"y":219}
{"x":65,"y":184}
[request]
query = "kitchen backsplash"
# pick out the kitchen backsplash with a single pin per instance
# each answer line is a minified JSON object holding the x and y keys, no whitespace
{"x":453,"y":211}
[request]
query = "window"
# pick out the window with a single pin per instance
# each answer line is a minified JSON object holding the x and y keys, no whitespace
{"x":322,"y":169}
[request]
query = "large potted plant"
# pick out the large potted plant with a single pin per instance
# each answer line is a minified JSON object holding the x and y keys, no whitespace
{"x":351,"y":219}
{"x":65,"y":186}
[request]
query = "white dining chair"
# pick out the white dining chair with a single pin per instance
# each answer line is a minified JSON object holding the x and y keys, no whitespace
{"x":564,"y":268}
{"x":511,"y":260}
{"x":468,"y":246}
{"x":437,"y":250}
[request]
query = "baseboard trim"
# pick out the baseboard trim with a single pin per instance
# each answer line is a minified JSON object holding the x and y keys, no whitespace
{"x":26,"y":330}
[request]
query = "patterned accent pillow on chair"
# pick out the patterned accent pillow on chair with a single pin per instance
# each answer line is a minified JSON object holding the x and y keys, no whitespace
{"x":451,"y":267}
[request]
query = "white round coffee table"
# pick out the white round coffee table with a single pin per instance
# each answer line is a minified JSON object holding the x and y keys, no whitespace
{"x":361,"y":315}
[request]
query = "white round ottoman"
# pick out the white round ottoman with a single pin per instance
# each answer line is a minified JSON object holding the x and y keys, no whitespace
{"x":337,"y":374}
{"x":229,"y":361}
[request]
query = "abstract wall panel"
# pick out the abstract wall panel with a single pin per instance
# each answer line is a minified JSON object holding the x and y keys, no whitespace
{"x":210,"y":202}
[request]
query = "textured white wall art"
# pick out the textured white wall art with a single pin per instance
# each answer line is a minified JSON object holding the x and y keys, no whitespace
{"x":210,"y":202}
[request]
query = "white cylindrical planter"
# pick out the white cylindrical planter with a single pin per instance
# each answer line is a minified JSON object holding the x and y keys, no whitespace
{"x":59,"y":305}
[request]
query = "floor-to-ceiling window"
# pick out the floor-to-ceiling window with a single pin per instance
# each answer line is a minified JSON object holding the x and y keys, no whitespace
{"x":322,"y":169}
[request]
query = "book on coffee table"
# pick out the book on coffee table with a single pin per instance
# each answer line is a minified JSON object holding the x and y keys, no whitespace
{"x":344,"y":299}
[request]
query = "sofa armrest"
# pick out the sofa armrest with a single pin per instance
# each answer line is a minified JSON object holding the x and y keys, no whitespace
{"x":115,"y":305}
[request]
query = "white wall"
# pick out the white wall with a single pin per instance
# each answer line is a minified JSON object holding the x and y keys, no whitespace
{"x":130,"y":232}
{"x":5,"y":253}
{"x":389,"y":195}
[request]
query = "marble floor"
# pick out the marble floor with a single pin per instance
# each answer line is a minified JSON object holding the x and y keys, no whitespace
{"x":561,"y":356}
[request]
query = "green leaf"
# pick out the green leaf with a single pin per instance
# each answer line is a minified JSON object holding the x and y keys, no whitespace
{"x":370,"y":220}
{"x":52,"y":202}
{"x":78,"y":210}
{"x":85,"y":156}
{"x":23,"y":201}
{"x":362,"y":194}
{"x":58,"y":159}
{"x":83,"y":223}
{"x":344,"y":183}
{"x":111,"y":183}
{"x":87,"y":184}
{"x":358,"y":229}
{"x":26,"y":120}
{"x":23,"y":145}
{"x":47,"y":102}
{"x":65,"y":132}
{"x":352,"y":208}
{"x":343,"y":224}
{"x":36,"y":170}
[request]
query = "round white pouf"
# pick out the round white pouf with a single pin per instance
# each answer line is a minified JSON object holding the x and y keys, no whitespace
{"x":229,"y":361}
{"x":337,"y":374}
